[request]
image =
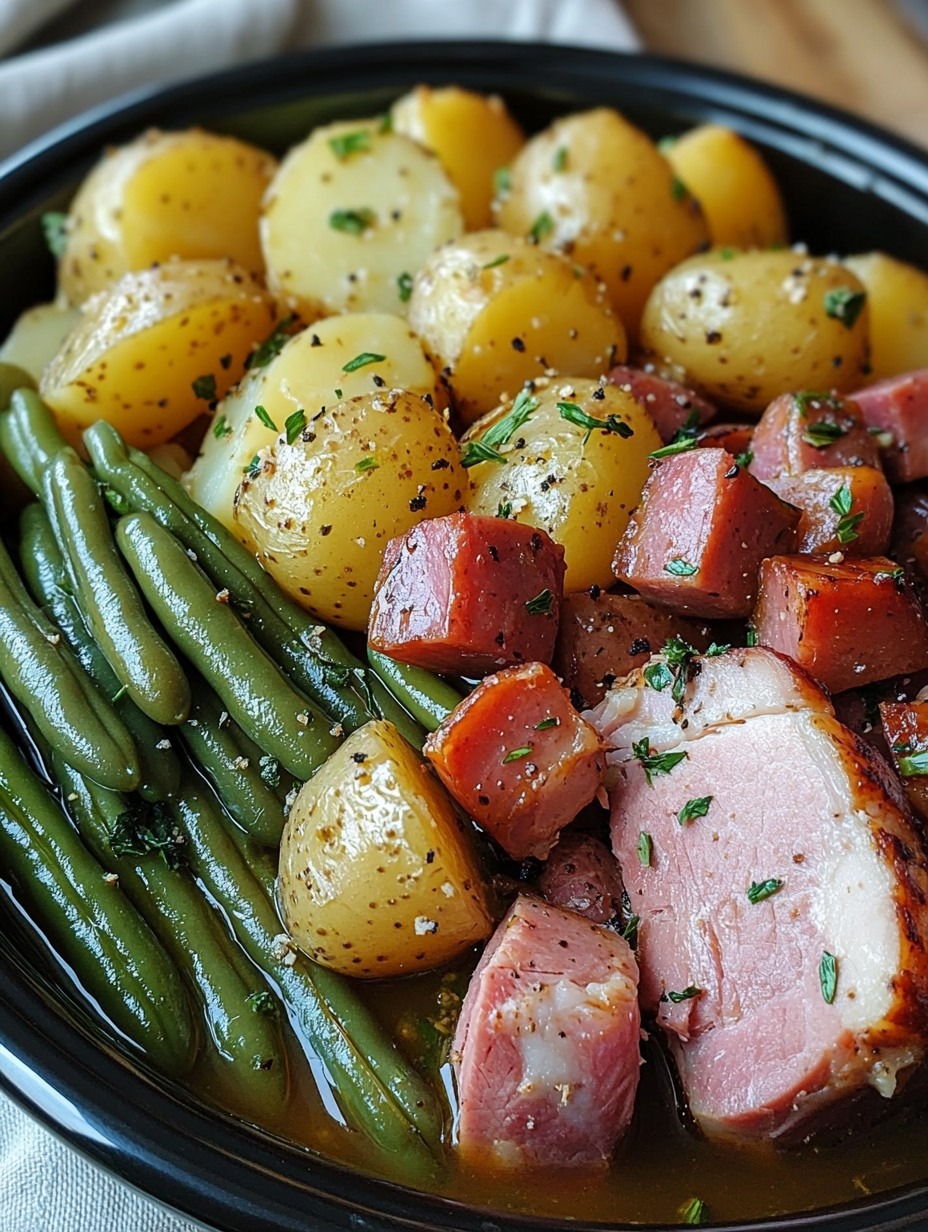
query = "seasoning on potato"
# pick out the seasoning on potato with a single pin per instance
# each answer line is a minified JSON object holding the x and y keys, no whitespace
{"x":378,"y":875}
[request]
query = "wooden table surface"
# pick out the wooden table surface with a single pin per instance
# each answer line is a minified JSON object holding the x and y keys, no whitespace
{"x":867,"y":56}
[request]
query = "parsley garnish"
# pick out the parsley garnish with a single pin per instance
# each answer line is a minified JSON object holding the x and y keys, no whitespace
{"x":745,"y":459}
{"x":253,"y":469}
{"x":352,"y":222}
{"x":517,"y":754}
{"x":656,"y":763}
{"x":261,"y":1003}
{"x":694,"y":1212}
{"x":269,"y":770}
{"x":678,"y":190}
{"x":542,"y":226}
{"x":576,"y":415}
{"x":828,"y":976}
{"x":205,"y":387}
{"x":897,"y":576}
{"x":715,"y":649}
{"x":680,"y":567}
{"x":848,"y":522}
{"x":697,"y":807}
{"x":687,"y":994}
{"x":500,"y":260}
{"x":502,"y":181}
{"x":366,"y":464}
{"x":263,"y":417}
{"x":683,"y":445}
{"x":476,"y":451}
{"x":272,"y":345}
{"x":912,"y":764}
{"x":559,"y":159}
{"x":294,"y":425}
{"x":816,"y":398}
{"x":502,"y":432}
{"x":541,"y":605}
{"x":55,"y":230}
{"x":347,"y":144}
{"x":504,"y":509}
{"x":759,"y":890}
{"x":362,"y":360}
{"x":222,"y":428}
{"x":551,"y":721}
{"x":644,"y":848}
{"x":751,"y":636}
{"x":845,"y":305}
{"x":630,"y":931}
{"x":822,"y":433}
{"x":658,"y":676}
{"x":144,"y":828}
{"x":679,"y":654}
{"x":404,"y":286}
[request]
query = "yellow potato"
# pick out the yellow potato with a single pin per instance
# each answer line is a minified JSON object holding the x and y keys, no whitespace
{"x":351,"y":215}
{"x":473,"y":135}
{"x":154,"y":352}
{"x":319,"y":512}
{"x":733,"y":184}
{"x":495,"y":311}
{"x":746,"y":326}
{"x":193,"y":195}
{"x":595,"y":188}
{"x":898,"y":297}
{"x":378,"y":875}
{"x":305,"y":375}
{"x":565,"y":474}
{"x":37,"y":336}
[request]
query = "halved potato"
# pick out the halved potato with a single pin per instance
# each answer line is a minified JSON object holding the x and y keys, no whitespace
{"x":191,"y":195}
{"x":37,"y":337}
{"x":158,"y":349}
{"x":898,"y":296}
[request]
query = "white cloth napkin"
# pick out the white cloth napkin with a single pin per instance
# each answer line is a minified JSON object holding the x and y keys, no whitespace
{"x":44,"y":1187}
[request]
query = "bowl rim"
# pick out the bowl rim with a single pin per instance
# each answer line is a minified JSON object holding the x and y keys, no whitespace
{"x":205,"y":1164}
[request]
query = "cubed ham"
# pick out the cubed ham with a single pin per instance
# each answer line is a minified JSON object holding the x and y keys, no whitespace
{"x":847,"y":623}
{"x":582,"y":875}
{"x":897,"y":410}
{"x":781,"y":889}
{"x":696,"y":541}
{"x":519,"y":758}
{"x":845,"y":509}
{"x":467,"y":594}
{"x":671,"y":405}
{"x":800,"y":432}
{"x":603,"y":636}
{"x":736,"y":438}
{"x":547,"y":1046}
{"x":910,"y":527}
{"x":905,"y":727}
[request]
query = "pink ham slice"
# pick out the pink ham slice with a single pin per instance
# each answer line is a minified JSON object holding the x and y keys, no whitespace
{"x":546,"y":1050}
{"x":782,"y":798}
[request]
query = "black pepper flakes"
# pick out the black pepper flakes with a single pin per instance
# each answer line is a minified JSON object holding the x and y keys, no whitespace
{"x":518,"y":345}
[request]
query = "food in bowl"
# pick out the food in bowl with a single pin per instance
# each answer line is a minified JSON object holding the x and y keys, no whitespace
{"x":588,"y":424}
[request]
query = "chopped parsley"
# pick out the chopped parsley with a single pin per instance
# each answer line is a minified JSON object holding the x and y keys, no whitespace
{"x":678,"y":190}
{"x":541,"y":227}
{"x":55,"y":230}
{"x":655,"y":763}
{"x":751,"y":636}
{"x":362,"y":360}
{"x":828,"y":976}
{"x":205,"y":387}
{"x":679,"y":655}
{"x":261,"y":1003}
{"x":143,"y":829}
{"x":679,"y":567}
{"x":253,"y":469}
{"x":896,"y":576}
{"x":404,"y":286}
{"x":658,"y":676}
{"x":687,"y":994}
{"x":759,"y":890}
{"x":352,"y":222}
{"x":715,"y":649}
{"x":630,"y":931}
{"x":745,"y":459}
{"x":645,"y":849}
{"x":845,"y":305}
{"x":816,"y":398}
{"x":551,"y":721}
{"x":576,"y":415}
{"x":346,"y":144}
{"x":504,"y":509}
{"x":476,"y":451}
{"x":841,"y":503}
{"x":517,"y":754}
{"x":263,"y":417}
{"x":222,"y":428}
{"x":911,"y":764}
{"x":541,"y":605}
{"x":502,"y":181}
{"x":369,"y":463}
{"x":502,"y":432}
{"x":269,"y":770}
{"x":694,"y":1212}
{"x":559,"y":159}
{"x":679,"y":444}
{"x":500,"y":260}
{"x":294,"y":425}
{"x":823,"y":432}
{"x":697,"y":807}
{"x":272,"y":345}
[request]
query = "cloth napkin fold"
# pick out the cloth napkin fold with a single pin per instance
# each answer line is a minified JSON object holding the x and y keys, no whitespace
{"x":44,"y":1186}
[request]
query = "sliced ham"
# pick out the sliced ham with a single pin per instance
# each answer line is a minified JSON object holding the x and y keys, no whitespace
{"x":781,"y":887}
{"x":547,"y":1047}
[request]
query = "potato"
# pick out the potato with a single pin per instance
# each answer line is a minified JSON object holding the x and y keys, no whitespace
{"x":495,"y":311}
{"x":193,"y":195}
{"x":577,"y":481}
{"x":37,"y":336}
{"x":473,"y":135}
{"x":746,"y":326}
{"x":596,"y":188}
{"x":139,"y":350}
{"x":305,"y":375}
{"x":739,"y":197}
{"x":378,"y":875}
{"x":319,"y":512}
{"x":351,"y":215}
{"x":898,"y":297}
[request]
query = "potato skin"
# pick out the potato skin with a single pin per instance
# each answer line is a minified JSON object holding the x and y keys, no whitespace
{"x":190,"y":195}
{"x":495,"y":311}
{"x":378,"y":876}
{"x":745,"y":327}
{"x":138,"y":348}
{"x":731,"y":181}
{"x":609,"y":202}
{"x":319,"y":512}
{"x":898,"y":297}
{"x":472,"y":134}
{"x":577,"y":485}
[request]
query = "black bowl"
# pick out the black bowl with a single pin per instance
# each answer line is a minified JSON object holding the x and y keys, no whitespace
{"x":849,"y":187}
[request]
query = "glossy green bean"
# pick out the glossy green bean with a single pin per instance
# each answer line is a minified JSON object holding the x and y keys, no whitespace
{"x":427,"y":697}
{"x":12,"y":377}
{"x":30,"y":437}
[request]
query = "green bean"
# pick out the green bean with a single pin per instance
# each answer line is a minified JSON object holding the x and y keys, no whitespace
{"x":236,"y":775}
{"x":47,"y":577}
{"x":106,"y":594}
{"x":88,"y":920}
{"x":427,"y":697}
{"x":12,"y":377}
{"x":42,"y":674}
{"x":229,"y":989}
{"x":30,"y":437}
{"x":253,"y":688}
{"x":378,"y":1092}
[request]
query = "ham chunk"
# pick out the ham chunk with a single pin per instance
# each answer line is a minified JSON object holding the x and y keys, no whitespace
{"x":897,"y":409}
{"x":845,"y":509}
{"x":546,"y":1050}
{"x":696,"y":541}
{"x":800,"y":432}
{"x":582,"y":875}
{"x":519,"y":758}
{"x":848,"y":623}
{"x":735,"y":438}
{"x":602,"y":637}
{"x":467,"y":594}
{"x":781,"y":889}
{"x":671,"y":406}
{"x":905,"y":726}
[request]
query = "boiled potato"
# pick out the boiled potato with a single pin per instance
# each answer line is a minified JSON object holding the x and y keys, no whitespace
{"x":738,"y":195}
{"x":351,"y":215}
{"x":193,"y":195}
{"x":305,"y":375}
{"x":596,"y":188}
{"x":156,"y":350}
{"x":495,"y":311}
{"x":473,"y":135}
{"x":378,"y":875}
{"x":319,"y":512}
{"x":37,"y":336}
{"x":747,"y":326}
{"x":898,"y":297}
{"x":565,"y":473}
